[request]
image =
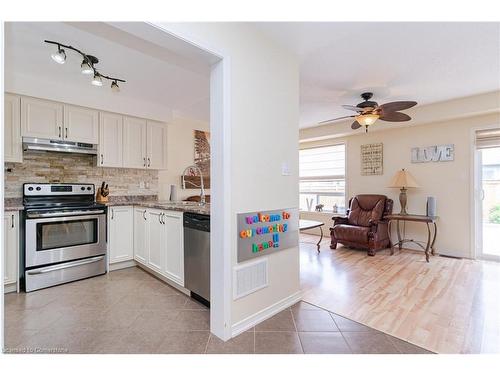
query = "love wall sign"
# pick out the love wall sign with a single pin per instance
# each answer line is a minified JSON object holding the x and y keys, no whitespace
{"x":266,"y":232}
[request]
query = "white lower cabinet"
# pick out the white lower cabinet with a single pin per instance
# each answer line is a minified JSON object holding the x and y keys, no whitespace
{"x":174,"y":258}
{"x":120,"y":234}
{"x":158,"y":242}
{"x":140,"y":235}
{"x":156,"y":239}
{"x":11,"y":246}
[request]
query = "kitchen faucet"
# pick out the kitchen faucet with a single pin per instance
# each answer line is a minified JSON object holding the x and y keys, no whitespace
{"x":202,"y":187}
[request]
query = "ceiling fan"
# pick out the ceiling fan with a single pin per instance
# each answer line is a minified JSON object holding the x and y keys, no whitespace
{"x":370,"y":111}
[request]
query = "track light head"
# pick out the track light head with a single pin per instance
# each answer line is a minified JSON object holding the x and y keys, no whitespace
{"x":115,"y":87}
{"x":59,"y":56}
{"x":86,"y":68}
{"x":97,"y":80}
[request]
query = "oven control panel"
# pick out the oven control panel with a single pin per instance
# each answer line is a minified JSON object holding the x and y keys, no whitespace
{"x":58,"y":189}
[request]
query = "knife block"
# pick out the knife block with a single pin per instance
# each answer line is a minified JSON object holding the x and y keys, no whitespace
{"x":102,"y":196}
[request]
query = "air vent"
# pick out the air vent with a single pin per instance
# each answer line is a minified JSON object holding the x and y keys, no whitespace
{"x":249,"y":278}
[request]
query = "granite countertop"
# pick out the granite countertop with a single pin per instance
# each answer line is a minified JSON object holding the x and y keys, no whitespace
{"x":151,"y":202}
{"x":13,"y":204}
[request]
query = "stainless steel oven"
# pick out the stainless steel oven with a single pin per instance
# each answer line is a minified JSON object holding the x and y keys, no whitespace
{"x":64,"y":234}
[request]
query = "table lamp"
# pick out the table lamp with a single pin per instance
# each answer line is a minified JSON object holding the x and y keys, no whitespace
{"x":403,"y":180}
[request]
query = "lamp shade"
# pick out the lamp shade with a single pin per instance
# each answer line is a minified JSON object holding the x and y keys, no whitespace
{"x":403,"y":179}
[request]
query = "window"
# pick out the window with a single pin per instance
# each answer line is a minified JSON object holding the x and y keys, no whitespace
{"x":322,"y":178}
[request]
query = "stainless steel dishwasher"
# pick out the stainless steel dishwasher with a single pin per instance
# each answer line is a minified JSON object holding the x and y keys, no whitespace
{"x":197,"y":256}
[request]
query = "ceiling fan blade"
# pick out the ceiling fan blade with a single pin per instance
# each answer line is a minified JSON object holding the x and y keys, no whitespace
{"x":352,"y":108}
{"x":395,"y":117}
{"x":396,"y":106}
{"x":335,"y":119}
{"x":355,"y":125}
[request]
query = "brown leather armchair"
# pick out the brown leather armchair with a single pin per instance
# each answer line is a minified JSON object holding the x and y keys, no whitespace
{"x":364,"y":225}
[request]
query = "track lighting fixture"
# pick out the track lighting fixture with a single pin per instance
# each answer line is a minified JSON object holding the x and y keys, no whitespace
{"x":59,"y":56}
{"x":87,"y":66}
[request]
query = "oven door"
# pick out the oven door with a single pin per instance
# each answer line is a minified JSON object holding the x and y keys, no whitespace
{"x":52,"y":237}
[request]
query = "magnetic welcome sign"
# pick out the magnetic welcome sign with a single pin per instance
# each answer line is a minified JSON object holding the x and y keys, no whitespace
{"x":267,"y":232}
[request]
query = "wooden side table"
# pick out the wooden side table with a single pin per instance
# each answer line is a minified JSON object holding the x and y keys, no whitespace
{"x":310,"y":224}
{"x":431,"y":234}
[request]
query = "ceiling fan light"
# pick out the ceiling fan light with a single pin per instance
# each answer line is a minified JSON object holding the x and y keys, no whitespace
{"x":97,"y":80}
{"x":86,"y":68}
{"x":367,"y":120}
{"x":59,"y":56}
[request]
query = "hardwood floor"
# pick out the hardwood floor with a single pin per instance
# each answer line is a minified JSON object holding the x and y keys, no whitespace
{"x":446,"y":306}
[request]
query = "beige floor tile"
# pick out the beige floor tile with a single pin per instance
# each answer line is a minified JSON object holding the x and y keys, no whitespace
{"x":155,"y":321}
{"x":314,"y":321}
{"x":192,"y":304}
{"x":324,"y":343}
{"x":241,"y":344}
{"x":283,"y":321}
{"x":277,"y":343}
{"x":348,"y":325}
{"x":369,"y":343}
{"x":190,"y":320}
{"x":193,"y":342}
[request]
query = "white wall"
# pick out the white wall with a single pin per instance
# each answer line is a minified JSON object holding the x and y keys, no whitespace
{"x":180,"y":155}
{"x":263,"y":102}
{"x":449,"y":182}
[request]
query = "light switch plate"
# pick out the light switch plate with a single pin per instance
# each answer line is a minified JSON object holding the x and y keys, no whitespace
{"x":285,"y":169}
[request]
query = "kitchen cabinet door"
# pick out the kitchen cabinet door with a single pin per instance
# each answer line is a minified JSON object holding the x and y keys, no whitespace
{"x":13,"y":147}
{"x":156,"y":145}
{"x":134,"y":142}
{"x":140,"y":235}
{"x":41,"y":118}
{"x":110,"y":140}
{"x":156,"y":240}
{"x":81,"y":124}
{"x":174,"y":262}
{"x":120,"y":234}
{"x":11,"y":246}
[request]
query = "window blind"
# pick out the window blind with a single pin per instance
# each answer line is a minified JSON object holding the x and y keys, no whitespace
{"x":487,"y":138}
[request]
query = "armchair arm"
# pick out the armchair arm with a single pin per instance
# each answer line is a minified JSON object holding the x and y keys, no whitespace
{"x":379,"y":229}
{"x":339,"y":220}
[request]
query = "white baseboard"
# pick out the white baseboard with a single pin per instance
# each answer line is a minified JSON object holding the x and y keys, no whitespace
{"x":121,"y":265}
{"x":10,"y":288}
{"x":264,"y":314}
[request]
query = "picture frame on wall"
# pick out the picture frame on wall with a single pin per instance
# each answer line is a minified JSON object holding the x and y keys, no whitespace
{"x":372,"y":159}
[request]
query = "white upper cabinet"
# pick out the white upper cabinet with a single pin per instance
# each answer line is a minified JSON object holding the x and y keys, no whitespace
{"x":13,"y":146}
{"x":134,"y":142}
{"x":81,"y":124}
{"x":157,"y":145}
{"x":41,"y":118}
{"x":110,"y":140}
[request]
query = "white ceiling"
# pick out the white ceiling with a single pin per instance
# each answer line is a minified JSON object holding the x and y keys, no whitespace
{"x":154,"y":74}
{"x":425,"y":62}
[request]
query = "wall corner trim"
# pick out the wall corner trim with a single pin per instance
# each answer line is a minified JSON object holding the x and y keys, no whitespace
{"x":266,"y":313}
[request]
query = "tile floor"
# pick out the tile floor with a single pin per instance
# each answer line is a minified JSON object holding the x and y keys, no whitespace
{"x":130,"y":311}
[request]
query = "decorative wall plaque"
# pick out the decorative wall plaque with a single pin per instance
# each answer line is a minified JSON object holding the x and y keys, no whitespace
{"x":432,"y":153}
{"x":372,"y":158}
{"x":266,"y":232}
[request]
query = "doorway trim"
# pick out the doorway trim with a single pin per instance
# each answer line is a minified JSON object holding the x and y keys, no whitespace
{"x":475,"y":208}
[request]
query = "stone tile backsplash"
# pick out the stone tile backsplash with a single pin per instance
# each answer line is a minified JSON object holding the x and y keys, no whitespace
{"x":76,"y":168}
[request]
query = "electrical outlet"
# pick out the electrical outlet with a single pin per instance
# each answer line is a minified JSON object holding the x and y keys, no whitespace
{"x":285,"y":169}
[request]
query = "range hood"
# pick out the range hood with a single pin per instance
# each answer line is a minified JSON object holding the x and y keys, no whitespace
{"x":40,"y":144}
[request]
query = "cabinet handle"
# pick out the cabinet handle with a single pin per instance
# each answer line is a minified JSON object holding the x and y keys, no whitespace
{"x":12,"y":224}
{"x":144,"y":161}
{"x":144,"y":215}
{"x":102,"y":160}
{"x":66,"y":132}
{"x":149,"y":162}
{"x":112,"y":214}
{"x":59,"y":132}
{"x":163,"y":218}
